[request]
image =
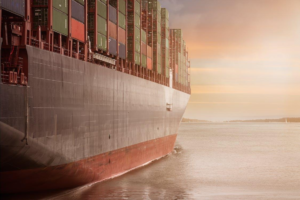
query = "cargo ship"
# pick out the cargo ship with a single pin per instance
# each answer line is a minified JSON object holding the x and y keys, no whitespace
{"x":89,"y":90}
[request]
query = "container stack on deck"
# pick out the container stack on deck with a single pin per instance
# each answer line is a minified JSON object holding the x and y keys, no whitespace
{"x":165,"y":42}
{"x":134,"y":32}
{"x":179,"y":59}
{"x":155,"y":6}
{"x":132,"y":36}
{"x":147,"y":24}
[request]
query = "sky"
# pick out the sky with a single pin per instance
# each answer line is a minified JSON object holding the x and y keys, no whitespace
{"x":245,"y":57}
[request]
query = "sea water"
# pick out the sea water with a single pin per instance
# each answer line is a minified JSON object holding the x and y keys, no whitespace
{"x":226,"y":161}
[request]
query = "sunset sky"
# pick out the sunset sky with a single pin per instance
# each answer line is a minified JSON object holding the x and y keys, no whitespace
{"x":245,"y":57}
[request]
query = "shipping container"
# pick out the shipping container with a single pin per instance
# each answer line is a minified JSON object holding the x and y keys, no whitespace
{"x":80,"y":1}
{"x":60,"y":22}
{"x":144,"y":61}
{"x":154,"y":5}
{"x":149,"y":51}
{"x":101,"y":42}
{"x":137,"y":58}
{"x":77,"y":11}
{"x":122,"y":6}
{"x":112,"y":14}
{"x":138,"y":46}
{"x":101,"y":25}
{"x":112,"y":46}
{"x":149,"y":63}
{"x":144,"y":48}
{"x":15,"y":6}
{"x":112,"y":30}
{"x":122,"y":35}
{"x":77,"y":30}
{"x":61,"y":5}
{"x":134,"y":31}
{"x":101,"y":9}
{"x":122,"y":50}
{"x":122,"y":21}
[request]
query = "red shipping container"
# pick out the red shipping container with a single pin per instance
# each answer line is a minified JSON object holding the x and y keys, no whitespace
{"x":77,"y":30}
{"x":122,"y":36}
{"x":149,"y":51}
{"x":112,"y":30}
{"x":149,"y":63}
{"x":144,"y":49}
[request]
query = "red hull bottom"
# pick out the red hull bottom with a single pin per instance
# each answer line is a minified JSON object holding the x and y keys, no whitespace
{"x":85,"y":171}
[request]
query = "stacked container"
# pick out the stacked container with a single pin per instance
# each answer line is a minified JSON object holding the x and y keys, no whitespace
{"x":155,"y":6}
{"x":134,"y":31}
{"x":112,"y":27}
{"x":144,"y":49}
{"x":78,"y":20}
{"x":122,"y":29}
{"x":97,"y":24}
{"x":147,"y":27}
{"x":15,"y":6}
{"x":165,"y":42}
{"x":175,"y":52}
{"x":60,"y":20}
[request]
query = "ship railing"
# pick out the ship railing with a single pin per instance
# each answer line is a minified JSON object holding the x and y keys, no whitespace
{"x":81,"y":56}
{"x":74,"y":54}
{"x":56,"y":49}
{"x":66,"y":52}
{"x":35,"y":43}
{"x":46,"y":46}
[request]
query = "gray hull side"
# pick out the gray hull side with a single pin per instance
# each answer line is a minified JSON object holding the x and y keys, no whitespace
{"x":78,"y":110}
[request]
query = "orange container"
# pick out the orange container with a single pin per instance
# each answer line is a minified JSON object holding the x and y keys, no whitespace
{"x":122,"y":36}
{"x":77,"y":30}
{"x":149,"y":51}
{"x":149,"y":63}
{"x":112,"y":30}
{"x":144,"y":49}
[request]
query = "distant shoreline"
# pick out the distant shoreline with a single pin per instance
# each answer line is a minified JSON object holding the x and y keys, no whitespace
{"x":282,"y":120}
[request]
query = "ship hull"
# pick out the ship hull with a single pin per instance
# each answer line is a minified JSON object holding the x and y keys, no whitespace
{"x":96,"y":168}
{"x":83,"y":123}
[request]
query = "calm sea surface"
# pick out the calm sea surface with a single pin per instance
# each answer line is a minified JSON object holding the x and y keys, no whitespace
{"x":225,"y":161}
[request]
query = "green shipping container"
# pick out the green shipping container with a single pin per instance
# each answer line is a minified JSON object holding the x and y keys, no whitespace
{"x":101,"y":42}
{"x":144,"y":61}
{"x":137,"y":8}
{"x":122,"y":6}
{"x":101,"y":25}
{"x":158,"y":38}
{"x":159,"y":68}
{"x":137,"y":20}
{"x":80,"y":1}
{"x":137,"y":58}
{"x":144,"y":36}
{"x":60,"y":22}
{"x":61,"y":5}
{"x":137,"y":33}
{"x":122,"y":21}
{"x":101,"y":9}
{"x":137,"y":46}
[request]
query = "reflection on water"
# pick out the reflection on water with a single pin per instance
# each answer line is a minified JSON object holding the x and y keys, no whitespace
{"x":210,"y":161}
